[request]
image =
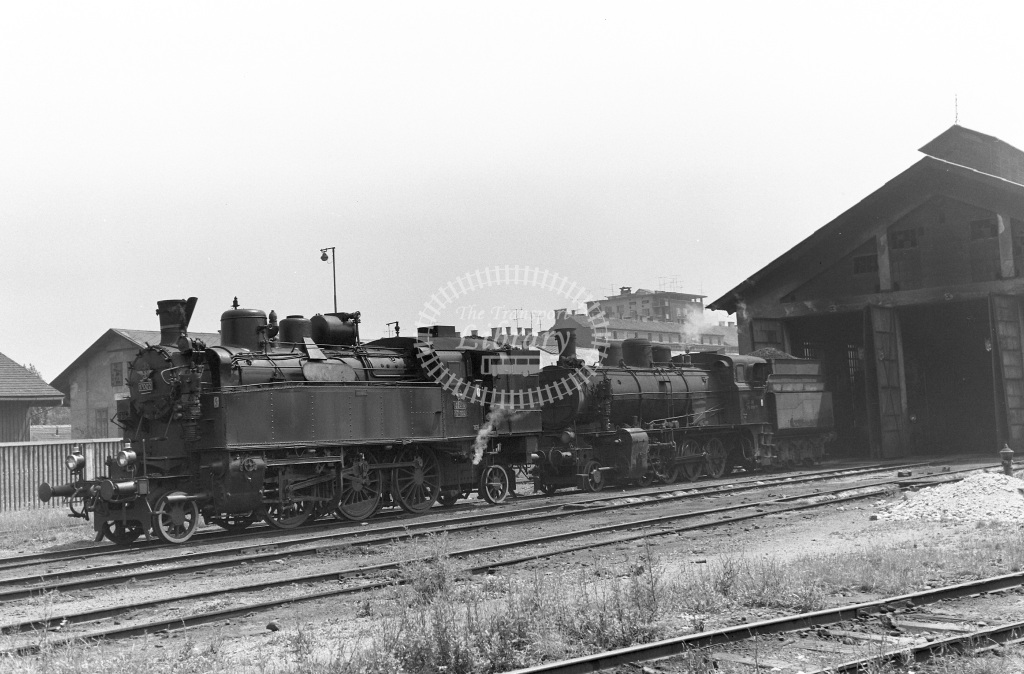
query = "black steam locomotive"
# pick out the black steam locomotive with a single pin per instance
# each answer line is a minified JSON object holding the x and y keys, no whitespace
{"x":292,"y":421}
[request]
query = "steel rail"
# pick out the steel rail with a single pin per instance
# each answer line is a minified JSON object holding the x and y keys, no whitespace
{"x":214,"y":537}
{"x":655,"y":497}
{"x":483,"y":568}
{"x":207,"y":617}
{"x":597,"y":662}
{"x":999,"y":635}
{"x":252,"y":554}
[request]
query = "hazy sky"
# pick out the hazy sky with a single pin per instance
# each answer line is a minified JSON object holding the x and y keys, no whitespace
{"x":152,"y":151}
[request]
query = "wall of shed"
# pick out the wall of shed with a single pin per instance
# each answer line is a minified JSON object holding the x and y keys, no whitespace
{"x":93,"y":393}
{"x":14,"y":426}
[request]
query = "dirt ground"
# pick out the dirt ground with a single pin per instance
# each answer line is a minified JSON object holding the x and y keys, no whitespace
{"x":832,"y":529}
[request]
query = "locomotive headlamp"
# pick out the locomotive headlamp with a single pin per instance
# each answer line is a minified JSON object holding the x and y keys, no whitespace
{"x":125,"y":458}
{"x":75,"y":462}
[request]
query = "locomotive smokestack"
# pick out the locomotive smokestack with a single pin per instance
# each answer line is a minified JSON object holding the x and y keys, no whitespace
{"x":174,"y":319}
{"x":565,"y":338}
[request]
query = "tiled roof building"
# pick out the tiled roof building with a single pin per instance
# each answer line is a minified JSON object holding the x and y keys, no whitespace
{"x":19,"y":391}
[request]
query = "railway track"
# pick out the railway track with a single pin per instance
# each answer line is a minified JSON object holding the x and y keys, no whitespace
{"x":121,"y":570}
{"x":308,"y":534}
{"x":849,"y":638}
{"x":666,"y":524}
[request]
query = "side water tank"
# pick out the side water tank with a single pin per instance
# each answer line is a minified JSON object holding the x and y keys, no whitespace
{"x":637,"y":352}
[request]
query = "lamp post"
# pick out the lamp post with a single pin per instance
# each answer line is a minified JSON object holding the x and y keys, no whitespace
{"x":334,"y":272}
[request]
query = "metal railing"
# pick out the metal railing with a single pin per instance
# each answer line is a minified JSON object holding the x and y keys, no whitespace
{"x":23,"y":465}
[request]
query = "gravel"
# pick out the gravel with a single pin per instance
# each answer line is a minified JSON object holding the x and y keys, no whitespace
{"x":977,"y":498}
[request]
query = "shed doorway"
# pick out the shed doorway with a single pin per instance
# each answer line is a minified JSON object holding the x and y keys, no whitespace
{"x":948,"y":364}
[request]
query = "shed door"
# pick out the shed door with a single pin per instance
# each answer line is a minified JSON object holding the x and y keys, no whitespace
{"x":886,"y":362}
{"x":767,"y":333}
{"x":1009,"y":366}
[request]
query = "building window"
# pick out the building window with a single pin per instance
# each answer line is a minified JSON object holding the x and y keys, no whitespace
{"x":813,"y":350}
{"x":985,"y":265}
{"x":854,"y":362}
{"x":903,"y":239}
{"x":615,"y":334}
{"x":116,"y":374}
{"x":905,"y":258}
{"x":984,"y":229}
{"x":865,"y":264}
{"x":101,"y":420}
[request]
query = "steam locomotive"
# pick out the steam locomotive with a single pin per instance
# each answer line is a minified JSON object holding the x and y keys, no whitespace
{"x":290,"y":421}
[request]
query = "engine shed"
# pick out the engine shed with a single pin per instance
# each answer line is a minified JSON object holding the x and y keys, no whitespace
{"x":912,"y":299}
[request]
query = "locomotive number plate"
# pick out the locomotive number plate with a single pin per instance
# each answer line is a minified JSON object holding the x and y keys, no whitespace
{"x":145,"y":386}
{"x":460,"y":408}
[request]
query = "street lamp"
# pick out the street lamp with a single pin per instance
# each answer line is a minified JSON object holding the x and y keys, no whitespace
{"x":334,"y":272}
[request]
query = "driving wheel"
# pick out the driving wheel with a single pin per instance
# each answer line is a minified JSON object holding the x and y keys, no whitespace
{"x":361,"y":488}
{"x":692,"y":467}
{"x":415,"y":487}
{"x":716,"y":458}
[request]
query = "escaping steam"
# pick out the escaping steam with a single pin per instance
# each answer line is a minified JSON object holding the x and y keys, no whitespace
{"x":496,"y":416}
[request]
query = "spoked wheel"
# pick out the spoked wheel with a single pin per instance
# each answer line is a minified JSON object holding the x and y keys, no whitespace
{"x":664,"y":467}
{"x":292,"y":497}
{"x":592,"y":479}
{"x":448,"y":497}
{"x":235,"y":522}
{"x":175,"y":519}
{"x":494,"y":484}
{"x":286,"y":515}
{"x":416,"y":487}
{"x":692,"y":469}
{"x":281,"y":509}
{"x":122,"y":533}
{"x":360,"y":488}
{"x":717,"y":458}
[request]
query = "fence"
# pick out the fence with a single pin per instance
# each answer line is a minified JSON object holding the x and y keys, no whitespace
{"x":23,"y":465}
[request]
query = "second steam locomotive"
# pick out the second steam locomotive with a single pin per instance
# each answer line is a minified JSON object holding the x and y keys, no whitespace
{"x":293,"y":420}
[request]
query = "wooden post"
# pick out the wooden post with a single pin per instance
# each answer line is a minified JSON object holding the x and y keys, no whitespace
{"x":1007,"y":266}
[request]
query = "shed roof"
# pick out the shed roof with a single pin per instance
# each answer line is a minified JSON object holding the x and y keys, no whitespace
{"x":844,"y":233}
{"x":17,"y":383}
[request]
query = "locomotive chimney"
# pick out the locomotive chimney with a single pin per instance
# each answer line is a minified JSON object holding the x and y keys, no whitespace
{"x":174,"y":319}
{"x":565,"y":338}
